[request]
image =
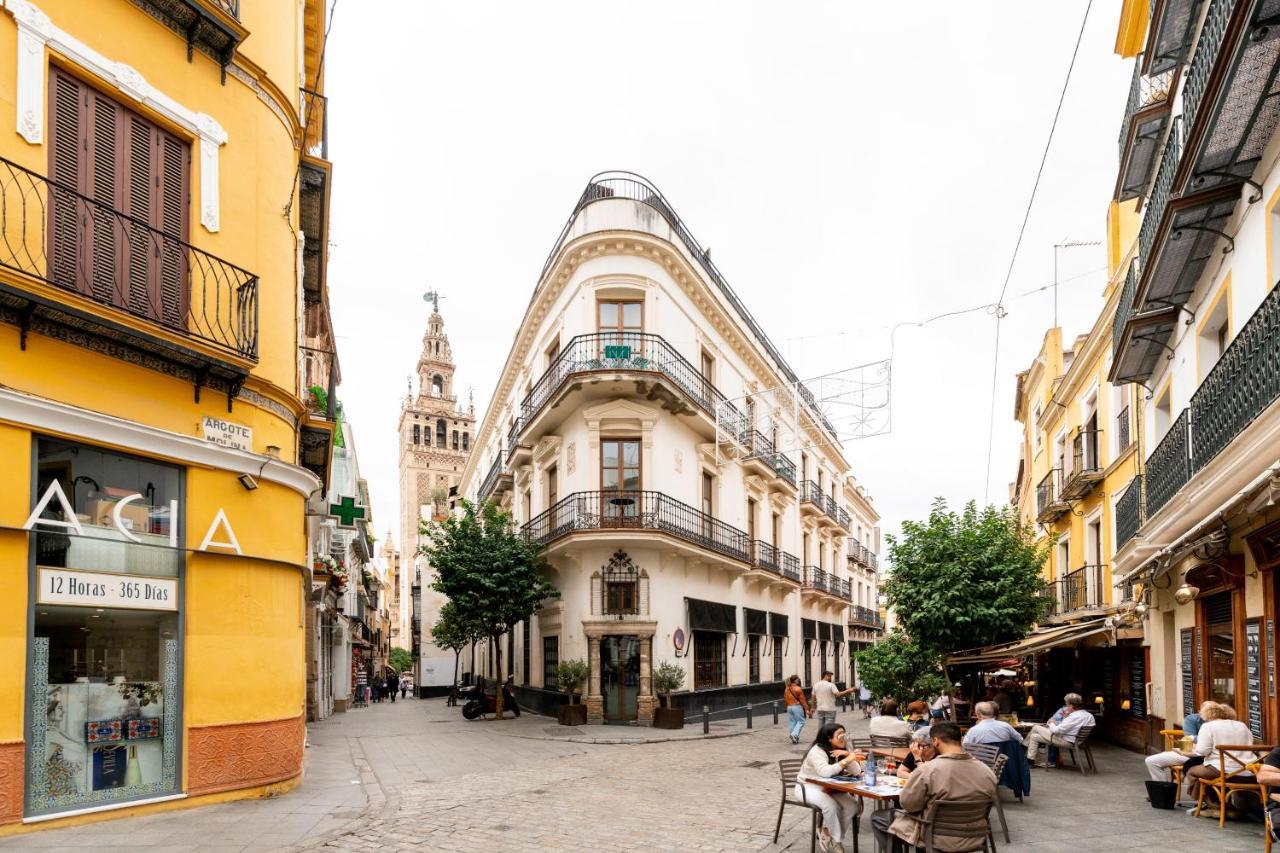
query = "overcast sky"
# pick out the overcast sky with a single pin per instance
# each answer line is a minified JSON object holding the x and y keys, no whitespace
{"x":852,"y":165}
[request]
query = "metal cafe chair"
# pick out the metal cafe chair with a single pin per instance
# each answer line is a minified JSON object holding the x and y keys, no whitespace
{"x":990,"y":755}
{"x":1080,"y":748}
{"x":958,"y":819}
{"x":787,"y":770}
{"x":1224,"y":784}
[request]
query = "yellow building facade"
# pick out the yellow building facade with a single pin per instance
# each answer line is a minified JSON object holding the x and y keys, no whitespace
{"x":163,"y":315}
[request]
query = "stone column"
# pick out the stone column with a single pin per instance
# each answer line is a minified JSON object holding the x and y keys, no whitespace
{"x":645,"y":702}
{"x":595,"y":699}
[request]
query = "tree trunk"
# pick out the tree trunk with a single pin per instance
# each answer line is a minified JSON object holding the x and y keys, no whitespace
{"x":453,"y":688}
{"x":497,"y":671}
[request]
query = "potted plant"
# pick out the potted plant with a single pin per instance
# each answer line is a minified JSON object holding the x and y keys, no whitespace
{"x":666,"y":678}
{"x":570,"y":676}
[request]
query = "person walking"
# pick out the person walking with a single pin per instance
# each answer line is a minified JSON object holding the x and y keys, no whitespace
{"x":393,"y":684}
{"x":825,"y":694}
{"x":404,"y":685}
{"x":864,"y":699}
{"x":797,"y":707}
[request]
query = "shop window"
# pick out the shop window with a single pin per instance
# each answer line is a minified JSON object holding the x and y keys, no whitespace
{"x":1220,"y":634}
{"x":103,"y":683}
{"x":753,"y":656}
{"x":709,"y":660}
{"x":524,"y":653}
{"x":808,"y":661}
{"x":550,"y":661}
{"x":777,"y":658}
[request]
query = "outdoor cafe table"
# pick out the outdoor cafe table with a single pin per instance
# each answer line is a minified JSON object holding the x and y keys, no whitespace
{"x":897,"y":753}
{"x":882,"y":795}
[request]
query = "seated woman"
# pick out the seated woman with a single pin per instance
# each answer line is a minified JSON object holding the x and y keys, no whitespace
{"x":917,"y":715}
{"x":826,"y":758}
{"x":1221,"y":728}
{"x":921,"y":751}
{"x":889,"y":724}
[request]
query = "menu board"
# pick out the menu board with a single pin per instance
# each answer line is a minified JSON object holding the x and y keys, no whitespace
{"x":1138,"y":685}
{"x":1271,"y":657}
{"x":1253,"y":674}
{"x":1188,"y":677}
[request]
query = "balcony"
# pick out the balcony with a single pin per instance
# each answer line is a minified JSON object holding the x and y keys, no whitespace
{"x":211,"y":26}
{"x":616,"y":512}
{"x":634,"y":363}
{"x":1137,"y":339}
{"x":766,"y":461}
{"x":865,"y":617}
{"x":1241,"y":386}
{"x":517,"y":454}
{"x":320,"y":381}
{"x":86,"y":273}
{"x":1229,"y":101}
{"x":315,"y":123}
{"x":1129,"y":513}
{"x":822,"y":508}
{"x":1079,"y":589}
{"x":497,"y":482}
{"x":771,"y":563}
{"x":1146,"y":115}
{"x":1086,"y":469}
{"x":313,"y":217}
{"x":1169,"y":34}
{"x":1123,"y":436}
{"x":1169,"y":465}
{"x":1049,"y":503}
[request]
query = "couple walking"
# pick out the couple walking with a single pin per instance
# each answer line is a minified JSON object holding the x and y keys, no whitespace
{"x":825,"y":694}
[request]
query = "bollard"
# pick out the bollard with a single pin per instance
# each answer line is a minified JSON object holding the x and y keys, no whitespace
{"x":706,"y":720}
{"x":748,"y":715}
{"x":775,"y":712}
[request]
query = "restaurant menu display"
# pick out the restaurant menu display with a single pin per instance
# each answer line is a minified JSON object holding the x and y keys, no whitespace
{"x":1138,"y":685}
{"x":1271,"y":657}
{"x":1188,"y":682}
{"x":1253,"y":674}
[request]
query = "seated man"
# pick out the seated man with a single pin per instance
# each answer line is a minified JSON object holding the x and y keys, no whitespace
{"x":988,"y":729}
{"x":1059,"y":734}
{"x":952,"y":775}
{"x":1158,"y":765}
{"x":889,"y":724}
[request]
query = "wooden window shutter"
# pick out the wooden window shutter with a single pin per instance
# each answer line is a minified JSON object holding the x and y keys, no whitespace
{"x":67,"y":230}
{"x":174,"y":165}
{"x":140,"y":179}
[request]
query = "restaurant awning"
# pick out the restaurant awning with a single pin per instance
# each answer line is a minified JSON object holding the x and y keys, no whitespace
{"x":1037,"y":641}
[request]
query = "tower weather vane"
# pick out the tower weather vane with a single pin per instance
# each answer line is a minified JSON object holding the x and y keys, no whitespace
{"x":432,"y":296}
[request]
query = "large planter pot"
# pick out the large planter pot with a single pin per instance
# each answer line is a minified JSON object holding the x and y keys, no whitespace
{"x":668,"y":718}
{"x":573,"y":715}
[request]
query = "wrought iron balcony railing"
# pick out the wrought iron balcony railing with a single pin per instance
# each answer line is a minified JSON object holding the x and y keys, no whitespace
{"x":490,"y":482}
{"x":319,"y":381}
{"x":1160,"y":191}
{"x":1086,"y":467}
{"x":1208,"y":47}
{"x":1145,"y":116}
{"x":1050,"y":593}
{"x":1080,"y":589}
{"x":790,"y":566}
{"x":1244,"y":382}
{"x":765,"y":556}
{"x":1124,"y":310}
{"x":52,"y":232}
{"x":1129,"y":513}
{"x":513,"y":436}
{"x":1049,"y":502}
{"x":811,"y":494}
{"x":760,"y":447}
{"x":1122,"y":430}
{"x":611,"y":352}
{"x":1169,"y":465}
{"x":816,"y":578}
{"x":638,"y":510}
{"x":865,"y":616}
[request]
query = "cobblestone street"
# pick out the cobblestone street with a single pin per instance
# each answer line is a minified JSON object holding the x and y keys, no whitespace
{"x":415,"y":776}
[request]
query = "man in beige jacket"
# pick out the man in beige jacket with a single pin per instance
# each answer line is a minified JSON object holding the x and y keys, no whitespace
{"x":952,"y":775}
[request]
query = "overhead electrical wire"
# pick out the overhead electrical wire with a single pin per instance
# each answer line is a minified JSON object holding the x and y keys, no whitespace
{"x":1022,"y":230}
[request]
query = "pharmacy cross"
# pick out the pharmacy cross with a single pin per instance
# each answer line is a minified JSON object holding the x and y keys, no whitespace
{"x":347,"y":512}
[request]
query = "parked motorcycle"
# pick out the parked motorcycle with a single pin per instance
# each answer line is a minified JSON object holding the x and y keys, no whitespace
{"x":476,"y":702}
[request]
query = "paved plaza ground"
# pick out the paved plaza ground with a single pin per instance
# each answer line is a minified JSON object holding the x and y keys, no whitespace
{"x":416,"y":776}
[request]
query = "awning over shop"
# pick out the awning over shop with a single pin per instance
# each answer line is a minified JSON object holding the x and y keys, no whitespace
{"x":777,"y":625}
{"x":824,"y":631}
{"x":756,"y":621}
{"x":712,"y":616}
{"x":1037,"y":641}
{"x":808,"y":629}
{"x":837,"y":633}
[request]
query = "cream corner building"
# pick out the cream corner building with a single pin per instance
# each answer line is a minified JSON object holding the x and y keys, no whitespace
{"x":695,"y":504}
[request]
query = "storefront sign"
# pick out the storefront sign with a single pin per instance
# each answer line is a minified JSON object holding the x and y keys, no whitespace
{"x":227,"y":434}
{"x":93,"y":589}
{"x":1271,"y":657}
{"x":1188,"y":678}
{"x":1138,"y":684}
{"x":1253,"y":674}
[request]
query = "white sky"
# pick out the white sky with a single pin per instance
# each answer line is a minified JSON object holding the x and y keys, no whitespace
{"x":851,"y":165}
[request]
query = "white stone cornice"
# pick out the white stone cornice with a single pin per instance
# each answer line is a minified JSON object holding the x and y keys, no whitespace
{"x":36,"y":31}
{"x":48,"y":416}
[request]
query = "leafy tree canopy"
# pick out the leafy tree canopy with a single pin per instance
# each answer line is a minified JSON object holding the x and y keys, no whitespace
{"x":965,"y":579}
{"x":898,"y":667}
{"x":400,"y":659}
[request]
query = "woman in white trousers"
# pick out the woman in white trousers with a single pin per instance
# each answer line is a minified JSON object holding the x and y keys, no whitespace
{"x":826,"y":758}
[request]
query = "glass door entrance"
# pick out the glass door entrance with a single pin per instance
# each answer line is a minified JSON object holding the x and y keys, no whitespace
{"x":620,"y":677}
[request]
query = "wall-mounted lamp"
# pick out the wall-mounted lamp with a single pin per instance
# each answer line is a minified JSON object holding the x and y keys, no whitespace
{"x":1185,"y":593}
{"x":1125,"y":705}
{"x":273,"y":450}
{"x":248,"y":482}
{"x":1140,"y":609}
{"x":1031,"y":701}
{"x":1097,"y":700}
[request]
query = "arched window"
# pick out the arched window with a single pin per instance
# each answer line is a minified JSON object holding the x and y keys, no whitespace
{"x":417,"y":434}
{"x":441,"y":431}
{"x":437,"y":386}
{"x":437,"y":347}
{"x":465,"y":439}
{"x":455,"y":439}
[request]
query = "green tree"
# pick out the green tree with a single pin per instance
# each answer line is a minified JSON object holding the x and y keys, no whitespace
{"x":493,"y":575}
{"x":453,"y":632}
{"x":966,"y":579}
{"x":895,"y":666}
{"x":400,"y":659}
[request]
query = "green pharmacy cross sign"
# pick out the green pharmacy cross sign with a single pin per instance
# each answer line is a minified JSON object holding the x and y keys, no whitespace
{"x":346,"y":511}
